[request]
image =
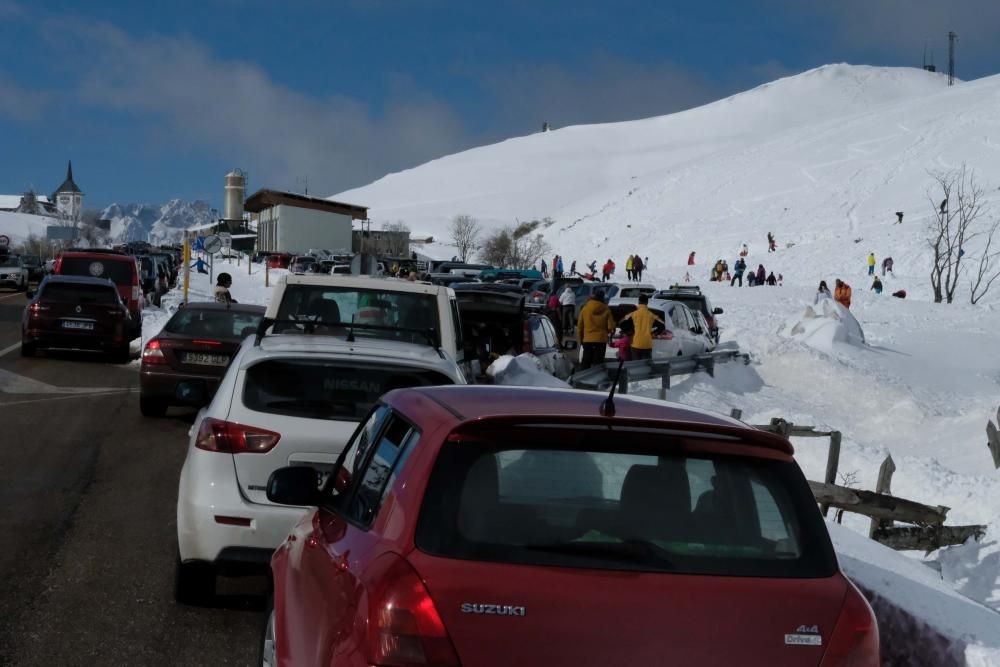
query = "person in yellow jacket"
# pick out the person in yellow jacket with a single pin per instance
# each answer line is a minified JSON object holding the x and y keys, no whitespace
{"x":593,"y":327}
{"x":628,"y":267}
{"x":643,"y":320}
{"x":871,"y":263}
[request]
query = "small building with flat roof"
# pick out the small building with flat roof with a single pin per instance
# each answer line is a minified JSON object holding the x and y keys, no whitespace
{"x":294,"y":223}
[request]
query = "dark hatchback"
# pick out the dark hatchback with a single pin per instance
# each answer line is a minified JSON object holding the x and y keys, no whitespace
{"x":184,"y":363}
{"x":76,"y":313}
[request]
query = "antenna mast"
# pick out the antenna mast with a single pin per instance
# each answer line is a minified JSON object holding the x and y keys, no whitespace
{"x":952,"y":38}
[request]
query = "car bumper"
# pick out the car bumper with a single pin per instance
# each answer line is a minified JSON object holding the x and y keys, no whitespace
{"x":208,"y":490}
{"x":178,"y":388}
{"x":72,"y":340}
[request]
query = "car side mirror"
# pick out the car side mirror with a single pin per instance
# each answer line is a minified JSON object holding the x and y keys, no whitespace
{"x":29,"y":295}
{"x":716,"y":311}
{"x":294,"y":485}
{"x":569,"y":345}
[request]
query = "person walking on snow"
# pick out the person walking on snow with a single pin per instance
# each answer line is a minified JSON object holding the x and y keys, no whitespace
{"x":871,"y":264}
{"x":567,"y":303}
{"x":221,"y":291}
{"x":643,"y":320}
{"x":637,"y":267}
{"x":899,"y":217}
{"x":744,"y":251}
{"x":842,"y":294}
{"x":572,"y":268}
{"x":628,"y":267}
{"x":886,"y":266}
{"x":691,"y":259}
{"x":593,"y":327}
{"x":761,"y":274}
{"x":559,"y":266}
{"x":822,"y":293}
{"x":740,"y":268}
{"x":771,"y":246}
{"x":877,"y":285}
{"x":771,"y":280}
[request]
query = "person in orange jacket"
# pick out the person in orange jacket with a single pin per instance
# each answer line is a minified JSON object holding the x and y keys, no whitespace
{"x":842,"y":293}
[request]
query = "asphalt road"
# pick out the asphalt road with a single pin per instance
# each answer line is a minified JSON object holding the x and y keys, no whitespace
{"x":88,"y":490}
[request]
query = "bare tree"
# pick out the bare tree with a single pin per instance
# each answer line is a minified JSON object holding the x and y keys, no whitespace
{"x":465,"y":231}
{"x":986,"y":271}
{"x":952,"y":225}
{"x":513,"y":248}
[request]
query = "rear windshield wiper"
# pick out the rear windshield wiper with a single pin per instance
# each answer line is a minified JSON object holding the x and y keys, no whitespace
{"x":637,"y":551}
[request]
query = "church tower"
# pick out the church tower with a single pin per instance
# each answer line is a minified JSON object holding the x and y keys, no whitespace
{"x":69,"y":198}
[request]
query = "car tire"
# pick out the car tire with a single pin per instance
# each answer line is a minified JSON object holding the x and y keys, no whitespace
{"x":268,"y":650}
{"x":123,"y":354}
{"x":28,"y":349}
{"x":194,"y":583}
{"x":152,"y":407}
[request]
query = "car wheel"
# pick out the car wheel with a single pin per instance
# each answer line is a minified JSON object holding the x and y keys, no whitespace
{"x":28,"y":349}
{"x":268,"y":649}
{"x":194,"y":583}
{"x":152,"y":407}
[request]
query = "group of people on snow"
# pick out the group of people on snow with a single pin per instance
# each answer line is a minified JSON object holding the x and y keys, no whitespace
{"x":596,"y":326}
{"x":634,"y":267}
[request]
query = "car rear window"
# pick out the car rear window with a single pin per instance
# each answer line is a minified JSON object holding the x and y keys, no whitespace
{"x":691,"y":301}
{"x":326,"y":389}
{"x":405,"y":316}
{"x":213,"y":323}
{"x":119,"y":271}
{"x":72,"y":293}
{"x":514,"y":498}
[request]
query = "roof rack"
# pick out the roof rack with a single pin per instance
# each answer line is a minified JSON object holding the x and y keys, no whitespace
{"x":309,"y":327}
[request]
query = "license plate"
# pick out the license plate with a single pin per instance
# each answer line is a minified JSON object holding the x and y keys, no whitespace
{"x":83,"y":326}
{"x":203,"y":359}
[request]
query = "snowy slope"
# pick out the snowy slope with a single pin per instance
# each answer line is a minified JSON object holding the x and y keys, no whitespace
{"x":818,"y":158}
{"x":18,"y":226}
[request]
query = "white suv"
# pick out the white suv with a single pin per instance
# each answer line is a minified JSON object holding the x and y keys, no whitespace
{"x":13,"y":273}
{"x":286,"y":399}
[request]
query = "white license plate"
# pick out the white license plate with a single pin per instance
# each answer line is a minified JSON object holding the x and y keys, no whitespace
{"x":203,"y":359}
{"x":83,"y":326}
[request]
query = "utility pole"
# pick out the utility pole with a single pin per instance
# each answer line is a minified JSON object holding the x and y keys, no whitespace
{"x":952,"y":38}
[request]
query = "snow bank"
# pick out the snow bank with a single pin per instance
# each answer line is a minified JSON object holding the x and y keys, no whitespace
{"x":524,"y":370}
{"x":19,"y":226}
{"x":825,"y":324}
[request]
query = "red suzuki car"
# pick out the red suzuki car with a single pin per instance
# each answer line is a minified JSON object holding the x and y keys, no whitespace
{"x":484,"y":526}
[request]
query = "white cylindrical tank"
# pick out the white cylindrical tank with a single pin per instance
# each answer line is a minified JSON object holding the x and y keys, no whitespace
{"x":236,"y":182}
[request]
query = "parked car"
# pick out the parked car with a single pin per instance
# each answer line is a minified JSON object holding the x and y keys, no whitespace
{"x":703,"y":330}
{"x":115,"y":266}
{"x":279,"y":260}
{"x":184,"y":363}
{"x":695,"y":299}
{"x":33,"y":263}
{"x":76,"y":313}
{"x":680,"y":337}
{"x":634,"y":290}
{"x":287,"y":399}
{"x":370,"y":307}
{"x":525,"y":526}
{"x":495,"y":323}
{"x":13,"y":273}
{"x":494,"y":275}
{"x":302,"y":263}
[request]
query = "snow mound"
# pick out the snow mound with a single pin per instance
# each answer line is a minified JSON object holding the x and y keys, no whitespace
{"x":19,"y":226}
{"x":524,"y":370}
{"x":825,"y":324}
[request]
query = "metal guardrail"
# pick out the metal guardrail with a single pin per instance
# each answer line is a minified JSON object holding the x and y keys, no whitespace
{"x":601,"y":377}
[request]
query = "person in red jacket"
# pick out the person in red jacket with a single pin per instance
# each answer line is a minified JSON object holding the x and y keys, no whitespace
{"x":608,"y":271}
{"x":691,"y":259}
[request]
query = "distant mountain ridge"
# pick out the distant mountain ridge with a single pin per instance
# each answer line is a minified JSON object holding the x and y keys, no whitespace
{"x":155,"y":223}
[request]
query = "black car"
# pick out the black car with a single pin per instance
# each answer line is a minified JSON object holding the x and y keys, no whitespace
{"x":36,"y":269}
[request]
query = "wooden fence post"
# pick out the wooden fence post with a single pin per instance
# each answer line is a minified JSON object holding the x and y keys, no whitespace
{"x":832,"y":463}
{"x":882,"y":486}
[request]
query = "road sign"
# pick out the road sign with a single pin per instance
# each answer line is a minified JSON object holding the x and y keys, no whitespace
{"x":4,"y":241}
{"x":213,"y":244}
{"x":199,"y":244}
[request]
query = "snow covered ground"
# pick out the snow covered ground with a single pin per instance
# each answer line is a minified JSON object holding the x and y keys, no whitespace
{"x":19,"y":226}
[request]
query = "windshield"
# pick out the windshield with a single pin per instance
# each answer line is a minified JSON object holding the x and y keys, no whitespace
{"x":404,"y":316}
{"x":31,"y":260}
{"x":327,"y":389}
{"x":519,"y":497}
{"x":213,"y":323}
{"x":120,"y":271}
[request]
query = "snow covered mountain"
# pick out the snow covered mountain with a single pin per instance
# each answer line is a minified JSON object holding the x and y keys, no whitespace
{"x":821,"y":159}
{"x":153,"y":223}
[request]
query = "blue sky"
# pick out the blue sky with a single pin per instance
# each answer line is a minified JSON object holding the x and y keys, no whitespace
{"x":159,"y":99}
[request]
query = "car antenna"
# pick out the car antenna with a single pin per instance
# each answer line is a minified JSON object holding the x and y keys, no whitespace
{"x":608,"y":404}
{"x":350,"y":330}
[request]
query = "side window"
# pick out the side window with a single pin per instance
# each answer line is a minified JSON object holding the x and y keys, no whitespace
{"x":550,"y":333}
{"x":354,"y":453}
{"x":677,"y":317}
{"x":537,"y":335}
{"x":456,"y":320}
{"x":387,"y":452}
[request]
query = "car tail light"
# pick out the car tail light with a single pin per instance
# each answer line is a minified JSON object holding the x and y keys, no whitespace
{"x":152,"y":353}
{"x":208,"y":342}
{"x":405,"y":628}
{"x":216,"y":435}
{"x":36,"y":308}
{"x":854,"y":642}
